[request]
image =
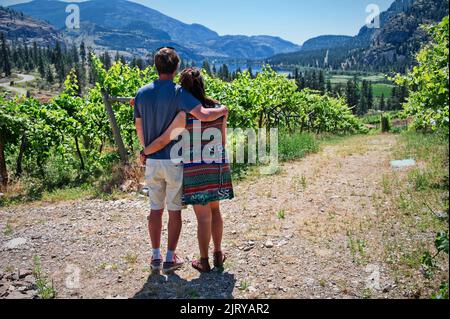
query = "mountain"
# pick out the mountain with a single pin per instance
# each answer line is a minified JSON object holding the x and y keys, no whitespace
{"x":112,"y":24}
{"x":17,"y":26}
{"x":390,"y":47}
{"x":255,"y":47}
{"x":326,"y":42}
{"x":401,"y":35}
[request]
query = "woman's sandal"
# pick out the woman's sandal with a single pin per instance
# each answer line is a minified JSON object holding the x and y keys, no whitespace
{"x":219,"y":259}
{"x":202,"y":265}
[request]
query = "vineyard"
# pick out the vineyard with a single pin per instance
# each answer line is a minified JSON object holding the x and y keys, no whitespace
{"x":364,"y":227}
{"x":68,"y":141}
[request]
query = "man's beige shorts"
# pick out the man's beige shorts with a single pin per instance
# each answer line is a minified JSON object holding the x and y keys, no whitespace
{"x":165,"y":182}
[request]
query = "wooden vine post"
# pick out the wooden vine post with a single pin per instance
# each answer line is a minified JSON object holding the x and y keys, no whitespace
{"x":114,"y":127}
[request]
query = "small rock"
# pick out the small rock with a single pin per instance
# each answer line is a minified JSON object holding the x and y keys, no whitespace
{"x":442,"y":215}
{"x":17,"y":295}
{"x":282,"y":243}
{"x":15,"y":243}
{"x":269,"y":244}
{"x":144,"y":191}
{"x":24,"y":273}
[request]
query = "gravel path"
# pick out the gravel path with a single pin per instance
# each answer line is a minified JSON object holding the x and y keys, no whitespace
{"x":287,"y":236}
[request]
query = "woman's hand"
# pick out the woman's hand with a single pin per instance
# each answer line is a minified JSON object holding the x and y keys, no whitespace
{"x":142,"y":158}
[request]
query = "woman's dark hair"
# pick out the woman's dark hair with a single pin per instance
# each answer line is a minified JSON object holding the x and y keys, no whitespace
{"x":191,"y":79}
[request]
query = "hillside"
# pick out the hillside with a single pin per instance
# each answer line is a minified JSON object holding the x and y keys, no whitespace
{"x":390,"y":47}
{"x":17,"y":26}
{"x":401,"y":35}
{"x":326,"y":42}
{"x":114,"y":22}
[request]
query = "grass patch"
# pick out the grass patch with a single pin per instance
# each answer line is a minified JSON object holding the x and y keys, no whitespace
{"x":244,"y":285}
{"x":67,"y":194}
{"x":131,"y":258}
{"x":45,"y":289}
{"x":296,"y":145}
{"x":8,"y":230}
{"x":416,"y":224}
{"x":387,"y":186}
{"x":357,"y":248}
{"x":281,"y":215}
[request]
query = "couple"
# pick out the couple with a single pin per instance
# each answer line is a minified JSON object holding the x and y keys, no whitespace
{"x":163,"y":110}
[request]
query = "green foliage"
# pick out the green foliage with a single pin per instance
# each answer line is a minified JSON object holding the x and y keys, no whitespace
{"x":45,"y":289}
{"x":250,"y":100}
{"x":67,"y":141}
{"x":428,"y":81}
{"x":441,"y":242}
{"x":281,"y":214}
{"x":443,"y":292}
{"x":296,"y":145}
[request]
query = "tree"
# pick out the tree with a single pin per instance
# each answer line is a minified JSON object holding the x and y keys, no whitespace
{"x":321,"y":82}
{"x":206,"y":67}
{"x":10,"y":128}
{"x":83,"y":52}
{"x":329,"y":86}
{"x":74,"y":55}
{"x":382,"y":105}
{"x":370,"y":99}
{"x":428,"y":83}
{"x":6,"y":63}
{"x":41,"y":67}
{"x":117,"y":57}
{"x":313,"y":82}
{"x":106,"y":60}
{"x":49,"y":77}
{"x":224,"y":73}
{"x":352,"y":93}
{"x":250,"y":71}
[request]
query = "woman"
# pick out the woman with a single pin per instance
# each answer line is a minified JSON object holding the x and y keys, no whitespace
{"x":207,"y":180}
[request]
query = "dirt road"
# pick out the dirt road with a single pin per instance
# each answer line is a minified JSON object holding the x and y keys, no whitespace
{"x":309,"y":232}
{"x":20,"y":91}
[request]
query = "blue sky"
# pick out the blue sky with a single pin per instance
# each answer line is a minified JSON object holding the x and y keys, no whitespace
{"x":293,"y":20}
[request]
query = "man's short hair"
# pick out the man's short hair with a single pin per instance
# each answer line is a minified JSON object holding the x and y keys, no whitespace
{"x":167,"y":61}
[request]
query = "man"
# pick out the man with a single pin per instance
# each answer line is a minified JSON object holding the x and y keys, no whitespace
{"x":156,"y":106}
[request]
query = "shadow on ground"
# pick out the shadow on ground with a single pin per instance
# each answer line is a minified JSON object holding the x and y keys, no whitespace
{"x":215,"y":285}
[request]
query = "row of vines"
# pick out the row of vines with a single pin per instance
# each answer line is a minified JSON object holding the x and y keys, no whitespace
{"x":68,"y":140}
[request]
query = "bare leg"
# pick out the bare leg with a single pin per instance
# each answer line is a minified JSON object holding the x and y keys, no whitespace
{"x":204,"y":218}
{"x":155,"y":227}
{"x":174,"y":229}
{"x":216,"y":226}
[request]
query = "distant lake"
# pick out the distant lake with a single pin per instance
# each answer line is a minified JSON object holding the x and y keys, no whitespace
{"x":256,"y":67}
